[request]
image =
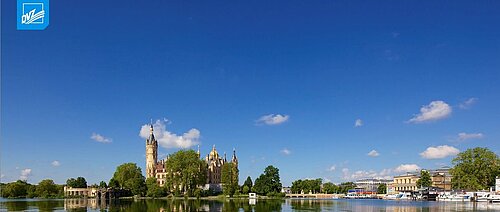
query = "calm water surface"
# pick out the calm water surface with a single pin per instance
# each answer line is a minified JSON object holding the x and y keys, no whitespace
{"x":239,"y":205}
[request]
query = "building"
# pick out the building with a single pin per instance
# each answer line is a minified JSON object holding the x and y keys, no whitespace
{"x":157,"y":168}
{"x":407,"y":182}
{"x":497,"y":184}
{"x":81,"y":192}
{"x":441,"y":178}
{"x":371,"y":185}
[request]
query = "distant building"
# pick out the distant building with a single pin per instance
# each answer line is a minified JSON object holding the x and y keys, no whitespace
{"x":497,"y":184}
{"x":81,"y":192}
{"x":286,"y":190}
{"x":371,"y":185}
{"x":157,"y":168}
{"x":441,"y":178}
{"x":407,"y":182}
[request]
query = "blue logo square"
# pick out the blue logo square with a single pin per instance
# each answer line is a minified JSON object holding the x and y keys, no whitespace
{"x":32,"y":14}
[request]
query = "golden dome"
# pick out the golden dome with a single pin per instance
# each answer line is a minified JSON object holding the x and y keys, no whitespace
{"x":214,"y":153}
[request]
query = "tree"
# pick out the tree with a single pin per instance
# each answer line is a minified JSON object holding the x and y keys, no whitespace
{"x":475,"y":169}
{"x":297,"y":187}
{"x":113,"y":183}
{"x":345,"y":187}
{"x":16,"y":189}
{"x":382,"y":188}
{"x":185,"y":172}
{"x":330,"y":188}
{"x":129,"y":176}
{"x":246,"y":189}
{"x":79,"y":182}
{"x":306,"y":186}
{"x":102,"y":184}
{"x":229,"y":178}
{"x":268,"y":182}
{"x":248,"y":182}
{"x":47,"y":188}
{"x":154,"y":190}
{"x":425,"y":179}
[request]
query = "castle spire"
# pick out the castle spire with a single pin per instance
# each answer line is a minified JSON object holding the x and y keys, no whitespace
{"x":234,"y":159}
{"x":198,"y":152}
{"x":151,"y":138}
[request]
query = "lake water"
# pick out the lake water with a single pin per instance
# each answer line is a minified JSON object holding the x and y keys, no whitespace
{"x":240,"y":205}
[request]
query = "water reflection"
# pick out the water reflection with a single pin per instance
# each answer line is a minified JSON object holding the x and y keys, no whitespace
{"x":239,"y":205}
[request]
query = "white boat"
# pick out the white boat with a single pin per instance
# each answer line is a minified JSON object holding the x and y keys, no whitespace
{"x":483,"y":198}
{"x":494,"y":198}
{"x":453,"y":197}
{"x":404,"y":196}
{"x":391,"y":196}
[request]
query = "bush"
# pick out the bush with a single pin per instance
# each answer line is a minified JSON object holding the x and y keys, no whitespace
{"x":275,"y":194}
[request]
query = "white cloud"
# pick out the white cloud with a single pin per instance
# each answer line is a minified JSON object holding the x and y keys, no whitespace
{"x":345,"y":173}
{"x":272,"y":119}
{"x":286,"y":151}
{"x":467,"y":103}
{"x":332,"y":168}
{"x":373,"y":153}
{"x":167,"y":139}
{"x":2,"y":176}
{"x":55,"y":163}
{"x":25,"y":173}
{"x":101,"y":139}
{"x":466,"y":136}
{"x":358,"y":123}
{"x":439,"y":152}
{"x":363,"y":174}
{"x":434,"y":111}
{"x":407,"y":168}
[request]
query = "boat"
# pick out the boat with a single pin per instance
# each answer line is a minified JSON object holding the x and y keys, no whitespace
{"x":453,"y":197}
{"x":494,"y":198}
{"x":390,"y":196}
{"x":483,"y":198}
{"x":404,"y":196}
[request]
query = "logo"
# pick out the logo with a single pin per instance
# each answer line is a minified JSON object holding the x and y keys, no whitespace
{"x":32,"y":14}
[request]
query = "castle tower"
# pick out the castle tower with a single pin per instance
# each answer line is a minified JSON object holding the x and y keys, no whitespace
{"x":234,"y":159}
{"x":151,"y":154}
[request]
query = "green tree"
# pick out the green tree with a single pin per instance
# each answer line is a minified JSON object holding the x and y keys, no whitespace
{"x":306,"y":186}
{"x":297,"y":187}
{"x":129,"y":176}
{"x":475,"y":169}
{"x":79,"y":182}
{"x":425,"y":179}
{"x":154,"y":190}
{"x":229,"y":179}
{"x":47,"y":188}
{"x":248,"y":182}
{"x":330,"y":188}
{"x":102,"y":184}
{"x":113,"y":183}
{"x":345,"y":187}
{"x":246,"y":189}
{"x":382,"y":188}
{"x":18,"y":189}
{"x":268,"y":182}
{"x":185,"y":172}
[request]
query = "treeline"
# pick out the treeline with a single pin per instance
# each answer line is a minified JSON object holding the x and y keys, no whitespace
{"x":317,"y":186}
{"x":22,"y":189}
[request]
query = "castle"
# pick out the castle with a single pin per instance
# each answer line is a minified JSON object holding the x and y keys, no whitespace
{"x":157,"y":168}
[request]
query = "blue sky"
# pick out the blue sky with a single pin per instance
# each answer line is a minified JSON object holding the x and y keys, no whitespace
{"x":282,"y":82}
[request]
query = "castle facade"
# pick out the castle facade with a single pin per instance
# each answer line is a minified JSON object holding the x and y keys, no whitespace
{"x":157,"y":168}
